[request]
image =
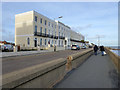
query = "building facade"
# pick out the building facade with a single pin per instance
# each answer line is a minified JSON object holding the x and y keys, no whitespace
{"x":34,"y":30}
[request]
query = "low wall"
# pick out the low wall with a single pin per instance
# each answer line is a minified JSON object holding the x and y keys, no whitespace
{"x":38,"y":76}
{"x":34,"y":48}
{"x":51,"y":48}
{"x":43,"y":48}
{"x":60,"y":48}
{"x":44,"y":75}
{"x":57,"y":48}
{"x":115,"y":58}
{"x":28,"y":48}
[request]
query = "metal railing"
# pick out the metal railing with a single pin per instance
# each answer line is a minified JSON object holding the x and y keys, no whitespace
{"x":47,"y":35}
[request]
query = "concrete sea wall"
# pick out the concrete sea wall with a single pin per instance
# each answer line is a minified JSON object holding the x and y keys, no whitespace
{"x":44,"y":75}
{"x":115,"y":58}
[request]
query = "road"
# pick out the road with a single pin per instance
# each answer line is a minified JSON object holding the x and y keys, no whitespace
{"x":11,"y":64}
{"x":96,"y":72}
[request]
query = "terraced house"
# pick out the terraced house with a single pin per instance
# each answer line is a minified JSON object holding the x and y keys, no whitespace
{"x":33,"y":30}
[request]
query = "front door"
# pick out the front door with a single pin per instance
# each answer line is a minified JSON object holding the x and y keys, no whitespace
{"x":65,"y":42}
{"x":35,"y":42}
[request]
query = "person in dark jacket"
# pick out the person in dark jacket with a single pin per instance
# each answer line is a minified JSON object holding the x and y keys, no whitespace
{"x":95,"y":49}
{"x":102,"y":50}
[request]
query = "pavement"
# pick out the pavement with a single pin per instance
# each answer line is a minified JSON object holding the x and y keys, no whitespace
{"x":21,"y":53}
{"x":96,"y":72}
{"x":10,"y":64}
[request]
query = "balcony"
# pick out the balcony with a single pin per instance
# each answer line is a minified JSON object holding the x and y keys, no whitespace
{"x":75,"y":40}
{"x":47,"y":35}
{"x":44,"y":35}
{"x":55,"y":37}
{"x":40,"y":34}
{"x":37,"y":34}
{"x":50,"y":36}
{"x":61,"y":37}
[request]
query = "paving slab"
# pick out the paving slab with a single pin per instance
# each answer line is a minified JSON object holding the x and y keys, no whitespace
{"x":96,"y":72}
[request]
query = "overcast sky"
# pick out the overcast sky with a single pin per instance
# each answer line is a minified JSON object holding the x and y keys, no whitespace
{"x":91,"y":19}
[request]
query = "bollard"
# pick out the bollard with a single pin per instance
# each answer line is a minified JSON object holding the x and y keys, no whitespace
{"x":38,"y":48}
{"x":54,"y":48}
{"x":15,"y":48}
{"x":69,"y":63}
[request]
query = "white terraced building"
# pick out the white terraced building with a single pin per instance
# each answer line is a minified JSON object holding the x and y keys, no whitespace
{"x":33,"y":30}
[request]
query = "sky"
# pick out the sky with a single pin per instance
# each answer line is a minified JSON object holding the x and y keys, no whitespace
{"x":91,"y":19}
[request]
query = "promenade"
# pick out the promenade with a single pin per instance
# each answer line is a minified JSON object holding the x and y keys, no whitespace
{"x":96,"y":72}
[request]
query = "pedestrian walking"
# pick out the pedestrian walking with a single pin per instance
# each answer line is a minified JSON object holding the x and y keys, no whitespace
{"x":95,"y":49}
{"x":102,"y":50}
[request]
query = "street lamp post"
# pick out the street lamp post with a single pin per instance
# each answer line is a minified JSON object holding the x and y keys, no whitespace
{"x":99,"y":37}
{"x":58,"y":17}
{"x":98,"y":40}
{"x":57,"y":28}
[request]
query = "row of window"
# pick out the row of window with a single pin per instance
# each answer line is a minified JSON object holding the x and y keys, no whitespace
{"x":48,"y":32}
{"x":49,"y":24}
{"x":61,"y":28}
{"x":45,"y":42}
{"x":41,"y":21}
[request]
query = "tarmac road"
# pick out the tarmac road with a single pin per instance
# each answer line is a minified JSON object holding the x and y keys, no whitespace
{"x":11,"y":64}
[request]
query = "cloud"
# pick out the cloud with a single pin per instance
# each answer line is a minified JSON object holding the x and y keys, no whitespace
{"x":80,"y":28}
{"x":7,"y":35}
{"x":8,"y":27}
{"x":97,"y":36}
{"x":103,"y":40}
{"x":3,"y":31}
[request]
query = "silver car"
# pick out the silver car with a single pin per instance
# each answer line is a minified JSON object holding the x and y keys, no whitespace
{"x":75,"y":47}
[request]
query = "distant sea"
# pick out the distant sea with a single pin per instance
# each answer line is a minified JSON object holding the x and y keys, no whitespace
{"x":115,"y":51}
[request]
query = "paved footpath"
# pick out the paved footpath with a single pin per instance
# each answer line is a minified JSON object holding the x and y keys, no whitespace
{"x":21,"y":53}
{"x":96,"y":72}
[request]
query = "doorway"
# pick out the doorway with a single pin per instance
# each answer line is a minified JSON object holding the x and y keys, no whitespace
{"x":35,"y":42}
{"x":65,"y":42}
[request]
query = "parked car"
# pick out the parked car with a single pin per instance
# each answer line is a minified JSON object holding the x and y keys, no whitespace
{"x":90,"y":46}
{"x":83,"y":47}
{"x":9,"y":47}
{"x":75,"y":47}
{"x":2,"y":47}
{"x":6,"y":47}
